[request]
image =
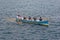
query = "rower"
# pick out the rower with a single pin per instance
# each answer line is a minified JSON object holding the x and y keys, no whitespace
{"x":29,"y":18}
{"x":40,"y":19}
{"x":18,"y":18}
{"x":34,"y":18}
{"x":24,"y":18}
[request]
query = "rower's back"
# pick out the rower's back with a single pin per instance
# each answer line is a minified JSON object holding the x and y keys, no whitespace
{"x":24,"y":18}
{"x":40,"y":19}
{"x":34,"y":18}
{"x":29,"y":18}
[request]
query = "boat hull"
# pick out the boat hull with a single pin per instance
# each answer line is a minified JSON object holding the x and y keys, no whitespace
{"x":45,"y":23}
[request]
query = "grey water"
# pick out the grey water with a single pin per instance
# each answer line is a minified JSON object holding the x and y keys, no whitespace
{"x":34,"y":8}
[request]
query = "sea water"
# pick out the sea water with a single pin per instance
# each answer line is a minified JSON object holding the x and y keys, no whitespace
{"x":35,"y":8}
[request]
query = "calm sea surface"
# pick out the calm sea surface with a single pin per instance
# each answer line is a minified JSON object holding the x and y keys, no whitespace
{"x":34,"y":8}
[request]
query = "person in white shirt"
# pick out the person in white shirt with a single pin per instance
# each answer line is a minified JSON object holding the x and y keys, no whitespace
{"x":18,"y":18}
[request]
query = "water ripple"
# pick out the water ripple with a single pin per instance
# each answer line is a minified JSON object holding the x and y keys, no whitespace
{"x":44,"y":8}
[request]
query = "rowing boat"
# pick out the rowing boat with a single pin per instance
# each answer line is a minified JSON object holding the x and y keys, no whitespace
{"x":43,"y":22}
{"x":37,"y":22}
